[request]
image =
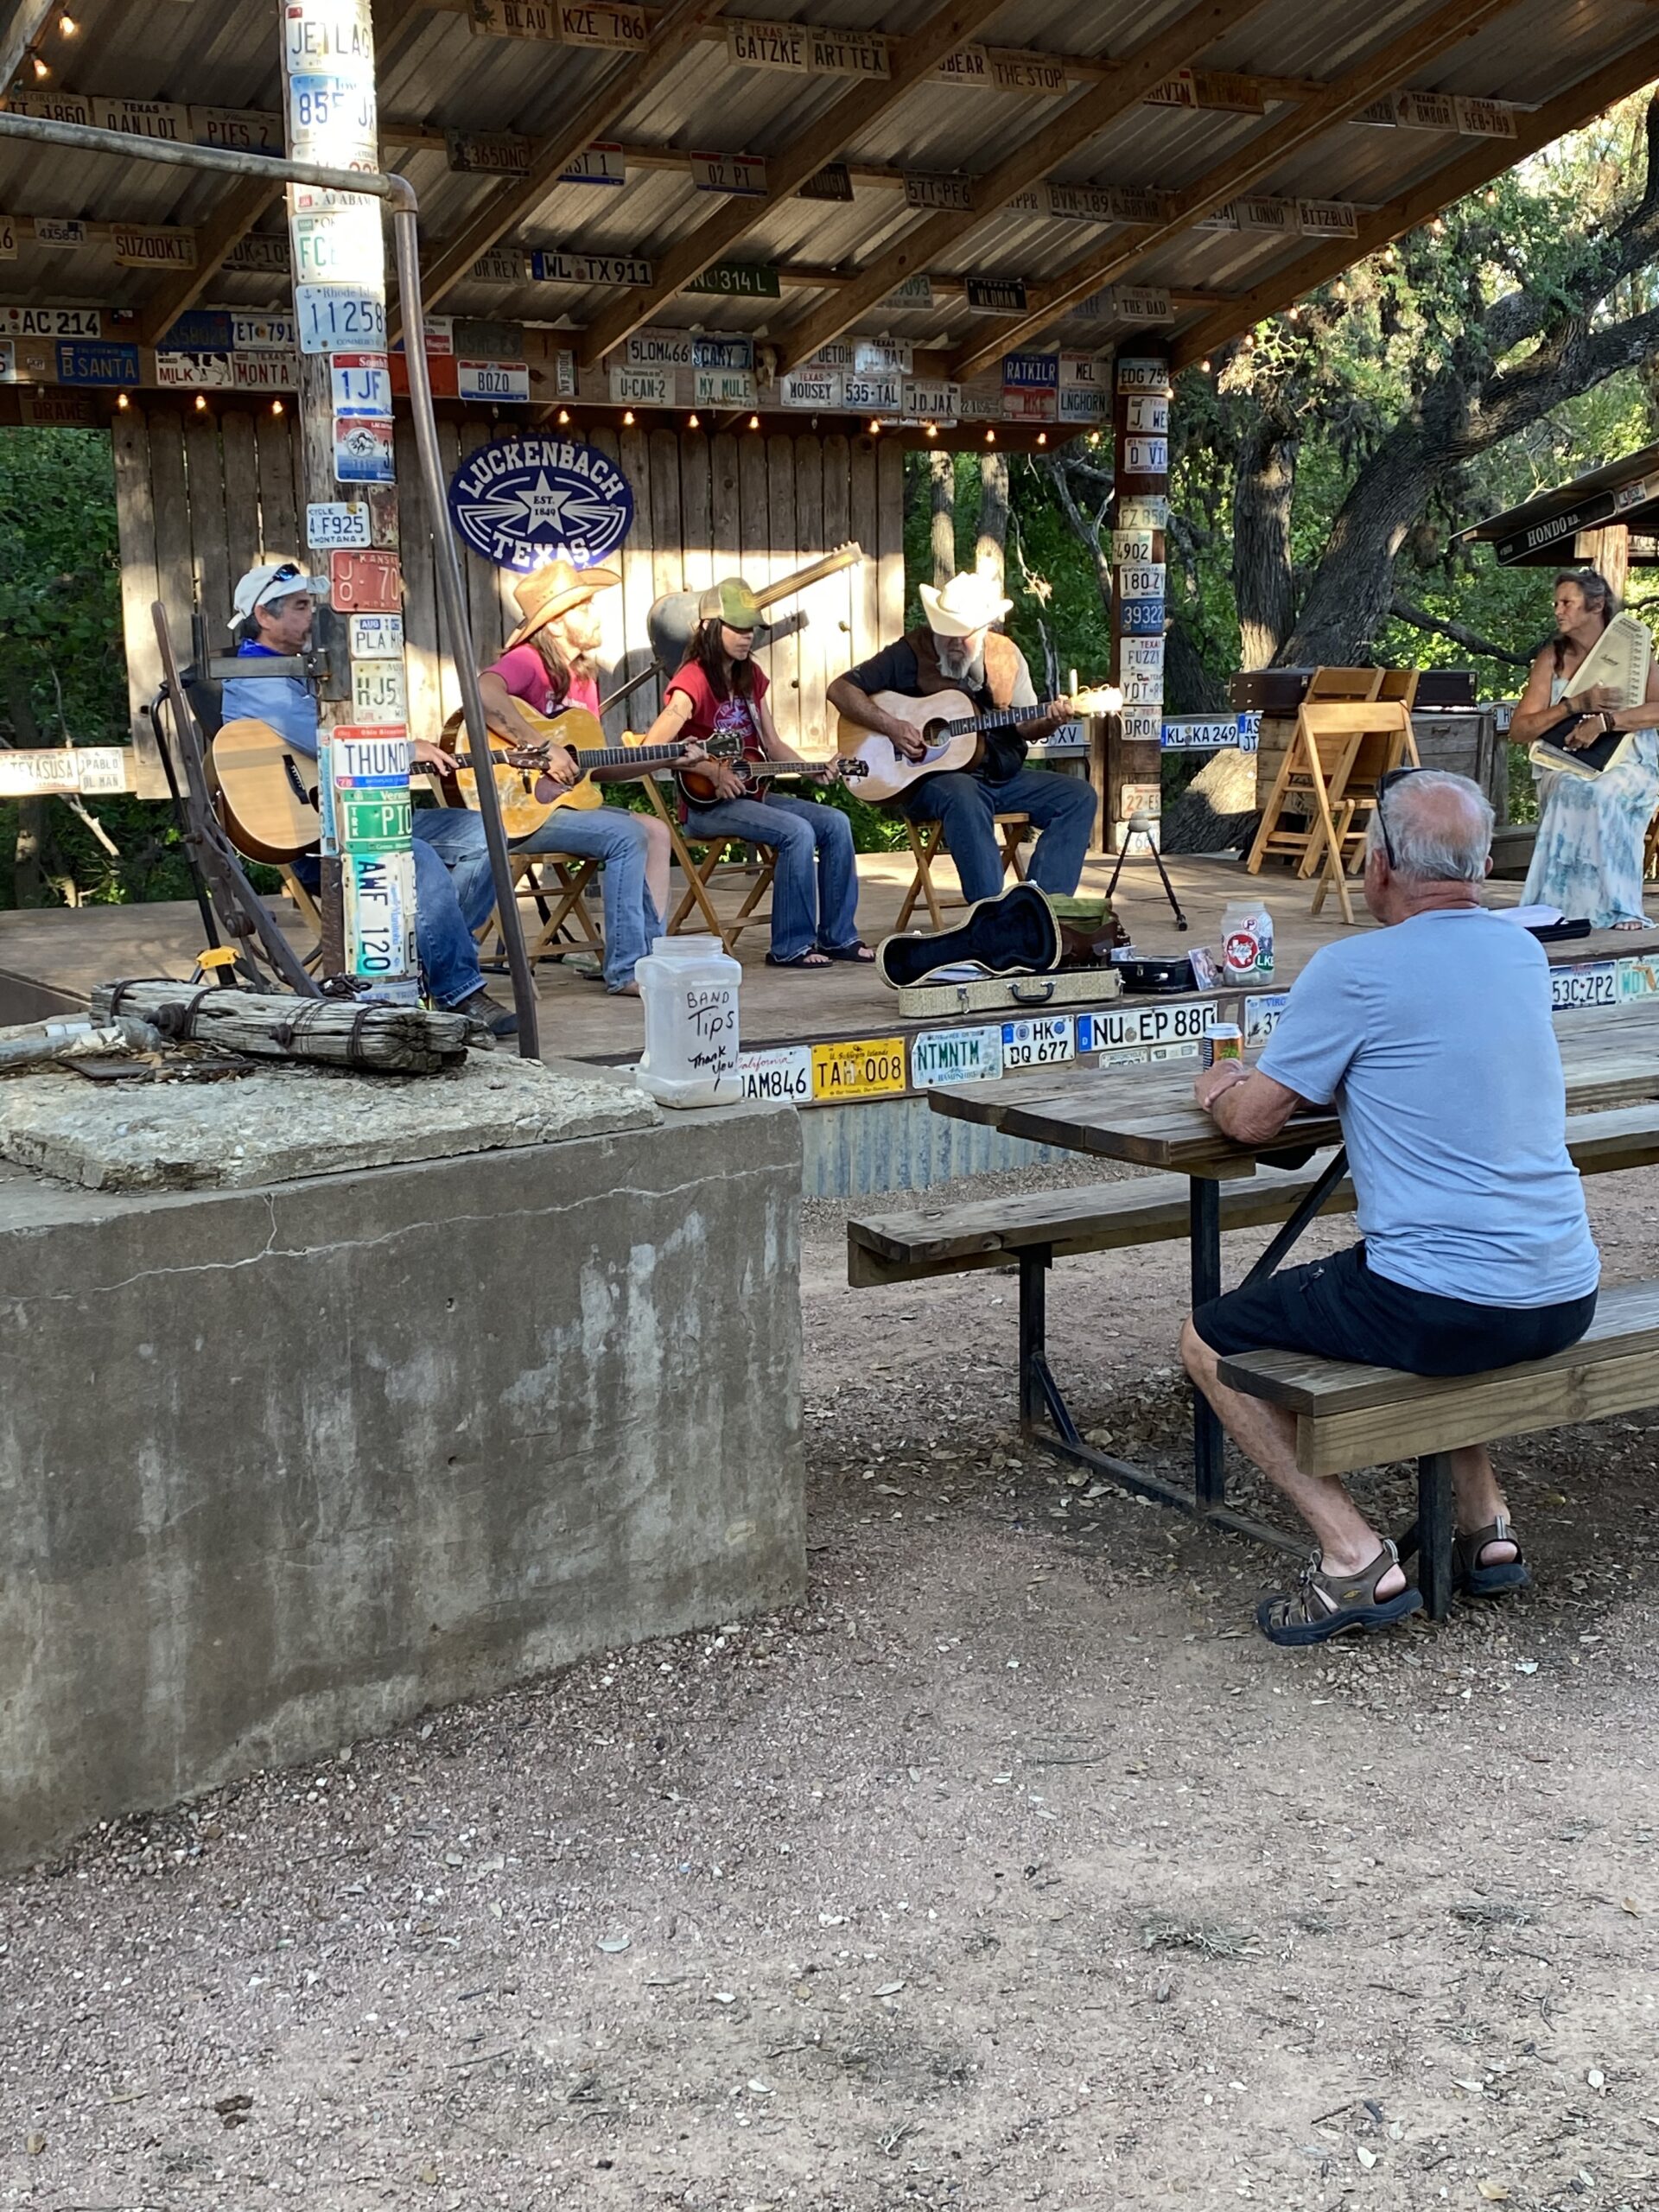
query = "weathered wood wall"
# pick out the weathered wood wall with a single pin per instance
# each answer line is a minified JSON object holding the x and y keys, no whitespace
{"x":201,"y":497}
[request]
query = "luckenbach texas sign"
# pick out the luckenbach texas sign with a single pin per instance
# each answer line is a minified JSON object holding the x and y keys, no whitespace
{"x":522,"y":502}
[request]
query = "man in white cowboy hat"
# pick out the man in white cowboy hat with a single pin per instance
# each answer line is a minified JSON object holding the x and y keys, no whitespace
{"x":272,"y":615}
{"x":959,"y":650}
{"x":548,"y":665}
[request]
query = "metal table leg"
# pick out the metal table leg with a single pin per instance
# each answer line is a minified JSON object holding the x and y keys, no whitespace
{"x":1208,"y":1471}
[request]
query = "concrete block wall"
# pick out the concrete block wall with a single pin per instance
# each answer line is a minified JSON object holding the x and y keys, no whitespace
{"x":278,"y":1468}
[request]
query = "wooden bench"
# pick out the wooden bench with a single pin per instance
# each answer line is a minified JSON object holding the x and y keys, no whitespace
{"x":1033,"y":1228}
{"x":1349,"y":1417}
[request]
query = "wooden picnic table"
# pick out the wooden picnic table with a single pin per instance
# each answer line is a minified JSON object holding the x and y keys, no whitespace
{"x":1150,"y":1117}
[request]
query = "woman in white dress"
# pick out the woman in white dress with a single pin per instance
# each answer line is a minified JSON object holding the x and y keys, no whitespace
{"x":1587,"y":860}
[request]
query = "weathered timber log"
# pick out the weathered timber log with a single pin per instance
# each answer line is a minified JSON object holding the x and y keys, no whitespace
{"x":392,"y":1039}
{"x":43,"y":1044}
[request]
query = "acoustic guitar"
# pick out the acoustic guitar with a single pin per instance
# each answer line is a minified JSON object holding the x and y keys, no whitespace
{"x":672,"y":622}
{"x":699,"y":787}
{"x":267,"y":792}
{"x":528,"y":796}
{"x":949,"y":725}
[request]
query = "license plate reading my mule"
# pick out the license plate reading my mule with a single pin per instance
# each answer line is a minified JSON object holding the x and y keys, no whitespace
{"x":1040,"y":1044}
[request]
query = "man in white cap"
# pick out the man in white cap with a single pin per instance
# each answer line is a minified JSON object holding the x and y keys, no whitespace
{"x":274,"y":607}
{"x":959,"y":650}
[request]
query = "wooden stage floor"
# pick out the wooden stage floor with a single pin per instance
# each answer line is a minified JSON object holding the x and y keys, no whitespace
{"x":53,"y":957}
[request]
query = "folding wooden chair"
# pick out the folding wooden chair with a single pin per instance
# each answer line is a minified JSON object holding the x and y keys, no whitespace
{"x":925,"y":839}
{"x":1338,"y":754}
{"x":1327,"y":684}
{"x":558,"y":883}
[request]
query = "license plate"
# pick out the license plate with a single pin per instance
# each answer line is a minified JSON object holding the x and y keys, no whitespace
{"x":872,"y":1067}
{"x":1639,"y":978}
{"x":377,"y":694}
{"x":380,"y":912}
{"x":329,"y":522}
{"x":362,"y":384}
{"x":376,"y":637}
{"x":1147,"y":1025}
{"x":1261,"y":1015}
{"x":955,"y":1056}
{"x":1573,"y":989}
{"x":1039,"y":1044}
{"x":783,"y":1073}
{"x":365,"y":583}
{"x":336,"y":318}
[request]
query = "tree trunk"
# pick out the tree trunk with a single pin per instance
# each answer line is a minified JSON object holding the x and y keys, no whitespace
{"x":1352,"y":594}
{"x":1262,"y":579}
{"x":942,"y":527}
{"x":29,"y":848}
{"x":988,"y":549}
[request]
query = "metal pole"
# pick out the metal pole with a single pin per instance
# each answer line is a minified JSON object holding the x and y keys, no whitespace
{"x":406,"y":245}
{"x":405,"y":208}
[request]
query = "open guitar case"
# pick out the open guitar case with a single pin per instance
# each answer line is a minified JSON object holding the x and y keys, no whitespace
{"x":1018,"y":934}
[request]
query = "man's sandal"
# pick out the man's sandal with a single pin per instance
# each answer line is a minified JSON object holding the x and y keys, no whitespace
{"x":1475,"y":1580}
{"x":1323,"y":1605}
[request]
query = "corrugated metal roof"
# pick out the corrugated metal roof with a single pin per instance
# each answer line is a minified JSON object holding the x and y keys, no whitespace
{"x":435,"y":74}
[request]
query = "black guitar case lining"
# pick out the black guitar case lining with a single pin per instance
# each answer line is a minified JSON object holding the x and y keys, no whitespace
{"x":1015,"y":935}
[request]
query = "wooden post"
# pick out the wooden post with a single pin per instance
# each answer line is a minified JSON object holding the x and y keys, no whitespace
{"x":1140,"y":511}
{"x":347,"y":477}
{"x":1607,"y":551}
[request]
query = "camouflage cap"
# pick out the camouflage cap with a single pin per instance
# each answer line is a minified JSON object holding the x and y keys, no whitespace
{"x":731,"y":602}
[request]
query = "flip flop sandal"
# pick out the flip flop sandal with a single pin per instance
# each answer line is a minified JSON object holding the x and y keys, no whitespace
{"x":1475,"y":1580}
{"x":810,"y":958}
{"x":1323,"y":1605}
{"x":857,"y":951}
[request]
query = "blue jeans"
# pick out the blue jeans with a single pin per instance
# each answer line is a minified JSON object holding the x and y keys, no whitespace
{"x":618,"y":838}
{"x":444,"y":943}
{"x":815,"y":891}
{"x":1063,"y":808}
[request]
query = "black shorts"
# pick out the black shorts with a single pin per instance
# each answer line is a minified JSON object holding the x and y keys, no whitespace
{"x":1338,"y":1309}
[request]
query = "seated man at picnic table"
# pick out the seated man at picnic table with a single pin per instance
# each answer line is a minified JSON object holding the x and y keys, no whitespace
{"x":1431,"y":1036}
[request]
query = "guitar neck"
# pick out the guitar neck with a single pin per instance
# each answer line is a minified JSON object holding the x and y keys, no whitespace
{"x":595,"y":763}
{"x":1005,"y":718}
{"x":844,"y":556}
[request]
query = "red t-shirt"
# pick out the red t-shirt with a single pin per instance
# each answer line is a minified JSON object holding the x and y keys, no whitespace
{"x":714,"y":717}
{"x":525,"y":675}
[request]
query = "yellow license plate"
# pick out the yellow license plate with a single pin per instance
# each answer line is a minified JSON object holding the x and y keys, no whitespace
{"x":871,"y":1067}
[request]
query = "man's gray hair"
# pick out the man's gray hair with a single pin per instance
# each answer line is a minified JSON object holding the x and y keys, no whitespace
{"x":1439,"y":827}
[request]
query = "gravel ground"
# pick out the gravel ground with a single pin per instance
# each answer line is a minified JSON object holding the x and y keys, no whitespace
{"x":1011,"y":1868}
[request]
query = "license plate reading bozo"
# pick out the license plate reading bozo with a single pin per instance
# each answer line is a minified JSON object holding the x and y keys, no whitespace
{"x":1037,"y":1043}
{"x":1571,"y":989}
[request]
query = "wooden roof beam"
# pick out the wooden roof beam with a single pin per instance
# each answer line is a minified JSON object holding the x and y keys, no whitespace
{"x":235,"y":216}
{"x":1446,"y":26}
{"x":675,"y":28}
{"x":1568,"y":110}
{"x":1080,"y":120}
{"x":913,"y":59}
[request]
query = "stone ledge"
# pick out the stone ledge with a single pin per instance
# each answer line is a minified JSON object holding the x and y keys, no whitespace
{"x":282,"y":1124}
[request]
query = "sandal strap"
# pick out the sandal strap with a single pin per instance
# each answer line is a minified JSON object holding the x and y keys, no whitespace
{"x":1318,"y":1595}
{"x":1470,"y":1543}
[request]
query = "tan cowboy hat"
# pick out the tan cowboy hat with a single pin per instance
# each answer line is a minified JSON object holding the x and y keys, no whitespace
{"x":549,"y":591}
{"x":967,"y":603}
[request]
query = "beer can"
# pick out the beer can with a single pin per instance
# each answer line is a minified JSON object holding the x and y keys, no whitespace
{"x":1225,"y":1042}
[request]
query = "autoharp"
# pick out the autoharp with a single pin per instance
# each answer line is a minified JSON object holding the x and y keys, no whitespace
{"x":1621,"y":657}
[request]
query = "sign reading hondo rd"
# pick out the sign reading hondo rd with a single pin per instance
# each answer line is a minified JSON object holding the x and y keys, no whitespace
{"x":522,"y":502}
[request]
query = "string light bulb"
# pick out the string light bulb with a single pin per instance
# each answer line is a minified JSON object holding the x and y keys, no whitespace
{"x":201,"y":403}
{"x":276,"y":407}
{"x":932,"y":429}
{"x":692,"y":423}
{"x":627,"y":418}
{"x":991,"y":437}
{"x":564,"y":418}
{"x":67,"y":26}
{"x":754,"y":422}
{"x":122,"y":401}
{"x":1042,"y":437}
{"x":42,"y":71}
{"x":875,"y":428}
{"x":1203,"y":366}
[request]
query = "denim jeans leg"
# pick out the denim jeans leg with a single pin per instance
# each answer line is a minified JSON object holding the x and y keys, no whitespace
{"x":794,"y":888}
{"x":964,"y":804}
{"x":456,"y":835}
{"x":837,"y":888}
{"x":1063,"y":809}
{"x":617,"y":839}
{"x":448,"y":956}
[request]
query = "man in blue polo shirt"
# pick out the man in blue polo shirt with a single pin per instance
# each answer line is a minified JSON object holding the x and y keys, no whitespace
{"x":454,"y":890}
{"x":1433,"y":1038}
